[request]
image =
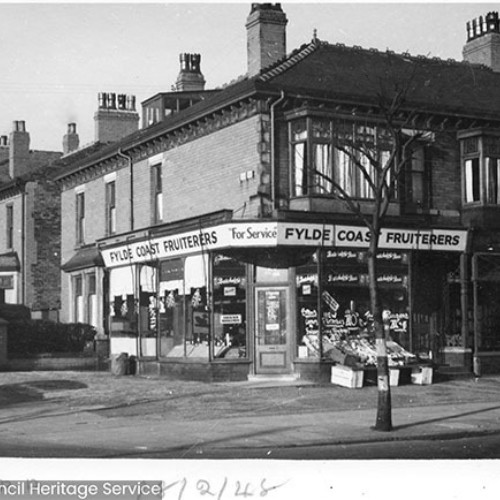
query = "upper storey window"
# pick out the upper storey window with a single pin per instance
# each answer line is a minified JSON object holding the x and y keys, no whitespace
{"x":329,"y":156}
{"x":481,"y":167}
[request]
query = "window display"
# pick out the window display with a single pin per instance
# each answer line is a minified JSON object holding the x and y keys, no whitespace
{"x":340,"y":309}
{"x":123,"y":307}
{"x":229,"y":303}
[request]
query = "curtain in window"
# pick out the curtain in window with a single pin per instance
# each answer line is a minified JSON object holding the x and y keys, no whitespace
{"x":493,"y":180}
{"x":343,"y":171}
{"x":300,"y":169}
{"x":472,"y":180}
{"x":323,"y":169}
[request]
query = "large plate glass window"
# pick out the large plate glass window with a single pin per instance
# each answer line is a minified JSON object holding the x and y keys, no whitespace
{"x":229,"y":304}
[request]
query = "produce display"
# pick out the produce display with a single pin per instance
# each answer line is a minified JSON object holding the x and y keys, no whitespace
{"x":355,"y":350}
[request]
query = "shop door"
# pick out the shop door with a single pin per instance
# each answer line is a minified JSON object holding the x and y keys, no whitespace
{"x":272,"y":335}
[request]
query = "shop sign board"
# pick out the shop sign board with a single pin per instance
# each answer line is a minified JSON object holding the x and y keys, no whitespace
{"x":272,"y":234}
{"x":234,"y":235}
{"x":403,"y":239}
{"x":305,"y":234}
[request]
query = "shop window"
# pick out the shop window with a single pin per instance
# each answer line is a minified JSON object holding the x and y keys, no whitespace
{"x":229,"y":304}
{"x":110,"y":208}
{"x":80,"y":218}
{"x":171,"y":308}
{"x":197,"y":331}
{"x":10,"y":226}
{"x":345,"y":310}
{"x":157,"y":193}
{"x":308,"y":330}
{"x":184,"y":315}
{"x":123,"y":307}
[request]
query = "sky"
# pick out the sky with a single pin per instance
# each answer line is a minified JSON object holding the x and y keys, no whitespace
{"x":56,"y":57}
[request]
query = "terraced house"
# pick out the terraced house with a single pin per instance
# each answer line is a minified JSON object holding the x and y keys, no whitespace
{"x":29,"y":226}
{"x":212,"y":243}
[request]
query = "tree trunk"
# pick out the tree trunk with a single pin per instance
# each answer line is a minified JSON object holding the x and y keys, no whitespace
{"x":384,"y":408}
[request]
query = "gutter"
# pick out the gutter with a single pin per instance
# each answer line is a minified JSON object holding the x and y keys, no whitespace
{"x":273,"y":149}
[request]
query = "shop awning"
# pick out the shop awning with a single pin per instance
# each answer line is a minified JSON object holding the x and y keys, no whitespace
{"x":84,"y":258}
{"x":9,"y":262}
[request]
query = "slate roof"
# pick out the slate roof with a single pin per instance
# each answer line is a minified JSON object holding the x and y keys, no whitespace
{"x":358,"y":75}
{"x":348,"y":75}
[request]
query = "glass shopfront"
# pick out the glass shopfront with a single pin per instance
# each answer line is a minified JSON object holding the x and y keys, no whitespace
{"x":336,"y":306}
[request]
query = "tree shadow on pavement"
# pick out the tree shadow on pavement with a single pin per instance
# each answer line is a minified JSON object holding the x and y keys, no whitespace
{"x":444,"y":418}
{"x":11,"y":394}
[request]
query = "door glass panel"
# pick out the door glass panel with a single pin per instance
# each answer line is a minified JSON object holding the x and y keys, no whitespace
{"x":272,"y":317}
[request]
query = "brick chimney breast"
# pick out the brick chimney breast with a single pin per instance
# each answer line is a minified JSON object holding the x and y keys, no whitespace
{"x":116,"y":117}
{"x":483,"y":41}
{"x":266,"y":36}
{"x":19,"y":150}
{"x":71,"y":140}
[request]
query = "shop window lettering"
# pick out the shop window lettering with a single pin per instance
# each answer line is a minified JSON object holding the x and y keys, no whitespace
{"x":225,"y":489}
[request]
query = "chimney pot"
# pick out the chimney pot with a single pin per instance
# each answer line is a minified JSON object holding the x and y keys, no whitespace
{"x":111,"y":127}
{"x":483,"y":41}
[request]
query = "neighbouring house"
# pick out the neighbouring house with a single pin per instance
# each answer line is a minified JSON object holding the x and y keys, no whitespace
{"x":30,"y":206}
{"x":210,"y":244}
{"x":29,"y":226}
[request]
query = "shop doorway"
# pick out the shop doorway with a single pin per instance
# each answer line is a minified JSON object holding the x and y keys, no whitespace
{"x":272,"y":330}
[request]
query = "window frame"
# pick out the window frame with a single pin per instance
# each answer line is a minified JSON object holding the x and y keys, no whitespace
{"x":80,"y":217}
{"x":352,"y":180}
{"x":480,"y":167}
{"x":110,"y":202}
{"x":157,"y":192}
{"x":9,"y":225}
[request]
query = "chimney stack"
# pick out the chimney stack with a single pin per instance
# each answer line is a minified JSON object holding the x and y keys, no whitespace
{"x":190,"y":77}
{"x":71,"y":141}
{"x":19,"y":150}
{"x":266,"y":36}
{"x":483,"y":41}
{"x":116,"y":117}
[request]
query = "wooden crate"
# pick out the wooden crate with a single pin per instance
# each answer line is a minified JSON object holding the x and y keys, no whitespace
{"x":421,"y":375}
{"x":347,"y":377}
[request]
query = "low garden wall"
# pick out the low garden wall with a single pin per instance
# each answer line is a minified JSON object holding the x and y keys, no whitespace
{"x":27,"y":345}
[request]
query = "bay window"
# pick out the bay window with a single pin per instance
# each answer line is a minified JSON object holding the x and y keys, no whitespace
{"x":329,"y":156}
{"x":480,"y":150}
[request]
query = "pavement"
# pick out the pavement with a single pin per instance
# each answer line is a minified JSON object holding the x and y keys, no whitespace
{"x":98,"y":415}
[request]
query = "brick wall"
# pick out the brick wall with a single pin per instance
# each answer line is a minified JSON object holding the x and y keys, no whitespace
{"x":445,"y":173}
{"x":45,"y":282}
{"x":203,"y":176}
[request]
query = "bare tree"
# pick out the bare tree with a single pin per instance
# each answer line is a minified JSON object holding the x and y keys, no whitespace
{"x":378,"y":149}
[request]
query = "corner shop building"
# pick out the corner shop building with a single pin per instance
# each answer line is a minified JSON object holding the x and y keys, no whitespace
{"x":240,"y":299}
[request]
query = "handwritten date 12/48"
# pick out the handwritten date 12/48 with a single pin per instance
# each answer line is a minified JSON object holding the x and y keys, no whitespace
{"x":226,"y":490}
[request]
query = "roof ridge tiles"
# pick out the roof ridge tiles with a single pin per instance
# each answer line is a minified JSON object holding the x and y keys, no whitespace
{"x":290,"y":60}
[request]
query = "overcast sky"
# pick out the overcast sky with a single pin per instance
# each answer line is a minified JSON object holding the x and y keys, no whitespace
{"x":55,"y":58}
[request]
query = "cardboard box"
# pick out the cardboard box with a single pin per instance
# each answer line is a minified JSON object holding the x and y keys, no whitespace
{"x":421,"y":375}
{"x":347,"y":377}
{"x":394,"y":376}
